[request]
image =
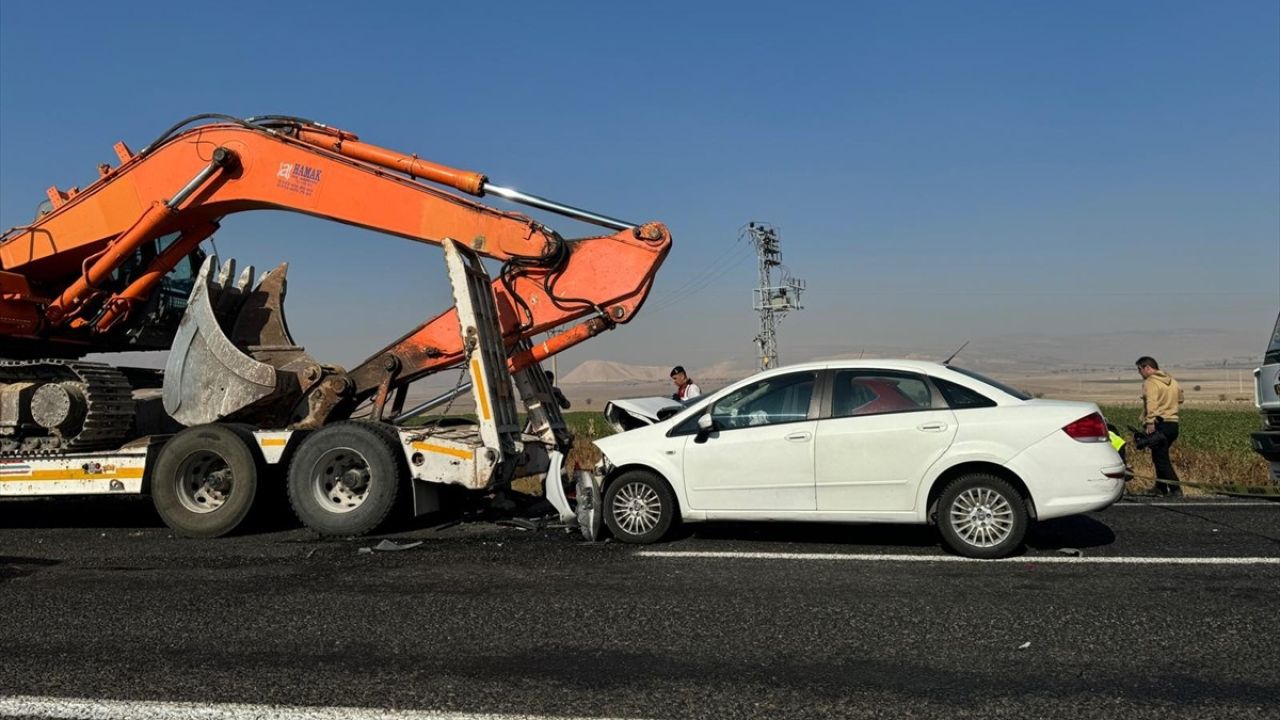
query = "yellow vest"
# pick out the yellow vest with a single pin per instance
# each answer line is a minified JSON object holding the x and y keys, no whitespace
{"x":1117,"y":442}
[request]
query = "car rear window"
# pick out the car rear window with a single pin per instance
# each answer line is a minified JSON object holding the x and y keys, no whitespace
{"x":993,"y":383}
{"x":959,"y":397}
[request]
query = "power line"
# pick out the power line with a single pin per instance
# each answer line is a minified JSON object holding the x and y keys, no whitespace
{"x":700,"y":280}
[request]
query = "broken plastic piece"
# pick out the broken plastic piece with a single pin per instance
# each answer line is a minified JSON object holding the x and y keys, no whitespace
{"x":590,"y":520}
{"x":518,"y":523}
{"x":389,"y":546}
{"x":555,"y":487}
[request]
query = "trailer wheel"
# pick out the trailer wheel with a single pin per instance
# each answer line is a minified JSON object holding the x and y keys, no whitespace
{"x":205,"y":480}
{"x":344,"y":478}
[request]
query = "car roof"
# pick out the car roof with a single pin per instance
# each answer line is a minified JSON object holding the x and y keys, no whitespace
{"x":920,"y":366}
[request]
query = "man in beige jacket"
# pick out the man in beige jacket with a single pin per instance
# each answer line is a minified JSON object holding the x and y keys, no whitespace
{"x":1161,"y":397}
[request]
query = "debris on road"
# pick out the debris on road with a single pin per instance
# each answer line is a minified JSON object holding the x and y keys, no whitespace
{"x":390,"y":546}
{"x":518,"y":523}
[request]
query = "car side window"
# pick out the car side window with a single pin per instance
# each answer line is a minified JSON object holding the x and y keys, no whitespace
{"x":779,"y":399}
{"x":872,"y":392}
{"x":959,"y":397}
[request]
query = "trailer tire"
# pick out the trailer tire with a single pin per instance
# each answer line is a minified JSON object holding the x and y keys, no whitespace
{"x":205,"y":480}
{"x":345,"y":478}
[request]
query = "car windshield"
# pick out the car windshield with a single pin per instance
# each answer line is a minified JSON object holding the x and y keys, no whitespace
{"x":993,"y":383}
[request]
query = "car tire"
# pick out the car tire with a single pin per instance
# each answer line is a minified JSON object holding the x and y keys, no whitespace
{"x":345,"y":478}
{"x":982,"y":516}
{"x":205,"y":480}
{"x":639,"y":507}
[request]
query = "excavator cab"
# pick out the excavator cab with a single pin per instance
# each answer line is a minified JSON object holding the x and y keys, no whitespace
{"x":157,"y":322}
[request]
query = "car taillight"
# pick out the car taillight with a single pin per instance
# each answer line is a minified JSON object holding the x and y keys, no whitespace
{"x":1091,"y":428}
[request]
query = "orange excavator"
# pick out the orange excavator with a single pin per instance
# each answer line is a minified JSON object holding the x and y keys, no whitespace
{"x":118,"y":266}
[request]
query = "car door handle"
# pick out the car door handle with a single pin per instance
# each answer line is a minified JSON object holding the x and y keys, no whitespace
{"x":932,"y":427}
{"x":799,"y":436}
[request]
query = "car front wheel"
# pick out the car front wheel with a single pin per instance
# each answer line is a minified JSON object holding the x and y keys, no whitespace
{"x":982,"y":516}
{"x":639,"y":507}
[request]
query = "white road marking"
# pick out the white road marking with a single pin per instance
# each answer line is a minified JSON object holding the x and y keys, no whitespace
{"x":869,"y":557}
{"x":89,"y":709}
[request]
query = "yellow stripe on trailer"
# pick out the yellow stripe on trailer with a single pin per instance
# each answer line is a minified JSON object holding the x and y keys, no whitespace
{"x":443,"y":450}
{"x":478,"y":378}
{"x":47,"y":475}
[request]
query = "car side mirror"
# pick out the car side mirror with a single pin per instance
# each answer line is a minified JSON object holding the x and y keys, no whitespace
{"x":706,"y":424}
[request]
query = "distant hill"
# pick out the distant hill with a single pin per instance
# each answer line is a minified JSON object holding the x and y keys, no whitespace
{"x":603,"y":371}
{"x":1008,"y":354}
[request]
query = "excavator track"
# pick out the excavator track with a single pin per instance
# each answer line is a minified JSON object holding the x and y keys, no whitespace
{"x":108,"y":399}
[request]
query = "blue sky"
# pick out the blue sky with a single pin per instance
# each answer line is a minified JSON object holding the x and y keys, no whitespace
{"x":939,"y":171}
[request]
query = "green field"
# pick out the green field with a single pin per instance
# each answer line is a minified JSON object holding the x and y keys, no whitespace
{"x":1212,"y":447}
{"x":1220,"y":431}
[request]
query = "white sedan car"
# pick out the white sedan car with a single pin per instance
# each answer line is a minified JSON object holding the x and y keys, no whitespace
{"x":893,"y":441}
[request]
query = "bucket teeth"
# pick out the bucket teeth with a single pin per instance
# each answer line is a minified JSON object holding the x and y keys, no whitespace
{"x":261,"y":322}
{"x":225,"y":271}
{"x":232,"y":355}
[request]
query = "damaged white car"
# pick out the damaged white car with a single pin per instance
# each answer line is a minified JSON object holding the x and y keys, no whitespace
{"x":631,"y":413}
{"x":892,"y":441}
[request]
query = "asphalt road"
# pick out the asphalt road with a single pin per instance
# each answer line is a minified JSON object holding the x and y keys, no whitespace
{"x":488,"y":619}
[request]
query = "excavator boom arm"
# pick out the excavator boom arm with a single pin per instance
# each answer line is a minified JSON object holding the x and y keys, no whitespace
{"x":265,"y":170}
{"x":53,"y":271}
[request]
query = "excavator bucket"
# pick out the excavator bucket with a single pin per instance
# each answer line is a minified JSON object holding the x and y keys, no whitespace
{"x":232,"y":357}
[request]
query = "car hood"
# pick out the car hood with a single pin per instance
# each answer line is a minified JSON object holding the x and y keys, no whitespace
{"x":631,"y":413}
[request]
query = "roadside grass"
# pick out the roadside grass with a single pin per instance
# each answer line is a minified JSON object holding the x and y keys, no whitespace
{"x":586,"y":426}
{"x":1212,"y":448}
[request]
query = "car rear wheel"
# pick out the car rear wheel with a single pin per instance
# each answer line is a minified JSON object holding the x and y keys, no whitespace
{"x":639,"y":507}
{"x":982,"y":516}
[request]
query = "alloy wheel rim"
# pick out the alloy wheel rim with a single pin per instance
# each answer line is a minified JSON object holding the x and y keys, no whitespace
{"x":982,"y":517}
{"x":637,"y":508}
{"x":340,"y":480}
